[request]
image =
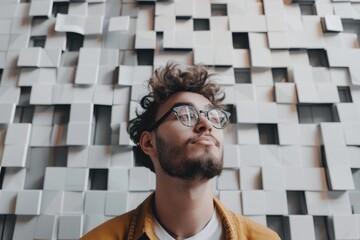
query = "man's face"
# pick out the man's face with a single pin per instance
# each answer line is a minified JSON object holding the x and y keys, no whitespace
{"x":189,"y":153}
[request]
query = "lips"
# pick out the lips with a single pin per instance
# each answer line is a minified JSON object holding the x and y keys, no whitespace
{"x":205,"y":140}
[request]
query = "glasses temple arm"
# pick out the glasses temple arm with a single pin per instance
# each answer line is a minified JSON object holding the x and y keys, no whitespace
{"x":158,"y":122}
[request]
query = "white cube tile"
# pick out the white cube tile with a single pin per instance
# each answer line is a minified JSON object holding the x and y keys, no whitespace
{"x":86,"y":74}
{"x":229,"y":180}
{"x":317,"y":203}
{"x":41,"y":135}
{"x":121,"y":157}
{"x":70,"y":227}
{"x":254,"y":202}
{"x":241,"y":58}
{"x":231,"y":156}
{"x":287,"y":113}
{"x":289,"y":133}
{"x":7,"y":112}
{"x":250,"y":155}
{"x":76,"y":179}
{"x":273,"y":178}
{"x":270,"y":155}
{"x":124,"y":137}
{"x":309,"y":135}
{"x":79,"y":134}
{"x":18,"y":134}
{"x":276,"y":203}
{"x":40,"y":8}
{"x":14,"y":179}
{"x":232,"y":200}
{"x":55,"y":178}
{"x":14,"y":156}
{"x":354,"y":156}
{"x":145,"y":40}
{"x":301,"y":227}
{"x":332,"y":134}
{"x":294,"y":178}
{"x":103,"y":95}
{"x":315,"y":179}
{"x":285,"y":93}
{"x":139,"y":179}
{"x":290,"y":156}
{"x":81,"y":112}
{"x":250,"y":108}
{"x":30,"y":57}
{"x":28,"y":202}
{"x":245,"y":92}
{"x":41,"y":94}
{"x":52,"y":202}
{"x":250,"y":178}
{"x":348,"y":112}
{"x":346,"y":227}
{"x":78,"y":156}
{"x":337,"y":156}
{"x":310,"y":156}
{"x":247,"y":133}
{"x":46,"y":227}
{"x":99,"y":156}
{"x":340,"y":178}
{"x":339,"y":202}
{"x":24,"y":227}
{"x":8,"y":201}
{"x":95,"y":202}
{"x":73,"y":203}
{"x":118,"y":179}
{"x":350,"y":131}
{"x":116,"y":203}
{"x":120,"y":23}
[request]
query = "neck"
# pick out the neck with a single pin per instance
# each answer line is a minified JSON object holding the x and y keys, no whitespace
{"x":183,"y":208}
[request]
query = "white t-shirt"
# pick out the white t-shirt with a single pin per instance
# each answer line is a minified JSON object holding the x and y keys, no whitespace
{"x":213,"y":230}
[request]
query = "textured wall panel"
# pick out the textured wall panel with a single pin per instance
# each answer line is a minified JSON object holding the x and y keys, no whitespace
{"x":71,"y":73}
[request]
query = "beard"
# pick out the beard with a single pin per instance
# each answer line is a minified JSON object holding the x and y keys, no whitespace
{"x":174,"y":160}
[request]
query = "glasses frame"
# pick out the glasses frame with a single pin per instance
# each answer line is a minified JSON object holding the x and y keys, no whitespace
{"x":199,"y":112}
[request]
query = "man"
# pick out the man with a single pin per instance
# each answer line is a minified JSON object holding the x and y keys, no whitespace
{"x":180,"y":134}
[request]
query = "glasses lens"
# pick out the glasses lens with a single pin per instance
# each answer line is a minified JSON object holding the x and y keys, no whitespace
{"x":187,"y":115}
{"x":218,"y":118}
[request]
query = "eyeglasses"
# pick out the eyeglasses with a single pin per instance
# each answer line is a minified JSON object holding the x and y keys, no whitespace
{"x":189,"y":116}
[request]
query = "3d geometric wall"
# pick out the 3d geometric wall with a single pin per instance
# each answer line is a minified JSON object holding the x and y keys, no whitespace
{"x":71,"y":74}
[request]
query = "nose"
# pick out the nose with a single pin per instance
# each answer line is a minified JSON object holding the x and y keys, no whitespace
{"x":203,"y":124}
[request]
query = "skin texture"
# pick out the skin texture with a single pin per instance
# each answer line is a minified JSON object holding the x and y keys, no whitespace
{"x":184,"y":204}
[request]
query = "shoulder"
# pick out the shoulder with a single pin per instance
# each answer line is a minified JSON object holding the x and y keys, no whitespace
{"x":116,"y":228}
{"x":254,"y":230}
{"x":242,"y":227}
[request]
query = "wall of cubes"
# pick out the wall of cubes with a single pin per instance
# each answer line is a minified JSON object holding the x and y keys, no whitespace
{"x":72,"y":71}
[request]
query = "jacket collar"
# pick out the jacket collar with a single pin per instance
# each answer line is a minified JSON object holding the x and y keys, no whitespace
{"x":142,"y":222}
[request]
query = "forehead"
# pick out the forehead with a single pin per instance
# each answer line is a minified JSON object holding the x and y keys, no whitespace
{"x":198,"y":100}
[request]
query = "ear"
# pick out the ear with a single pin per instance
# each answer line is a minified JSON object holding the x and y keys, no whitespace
{"x":146,"y":143}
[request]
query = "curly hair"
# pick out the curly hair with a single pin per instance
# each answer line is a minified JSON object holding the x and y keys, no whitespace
{"x":165,"y":82}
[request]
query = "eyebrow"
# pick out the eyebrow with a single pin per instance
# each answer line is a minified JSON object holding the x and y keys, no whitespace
{"x":208,"y":106}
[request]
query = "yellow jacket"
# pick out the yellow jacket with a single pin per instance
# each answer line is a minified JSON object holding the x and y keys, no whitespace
{"x":138,"y":224}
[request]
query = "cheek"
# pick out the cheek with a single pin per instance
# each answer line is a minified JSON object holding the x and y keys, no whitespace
{"x":220,"y":136}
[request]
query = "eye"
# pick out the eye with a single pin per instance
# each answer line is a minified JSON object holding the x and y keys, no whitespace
{"x":218,"y":117}
{"x":187,"y":115}
{"x":214,"y":117}
{"x":183,"y":117}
